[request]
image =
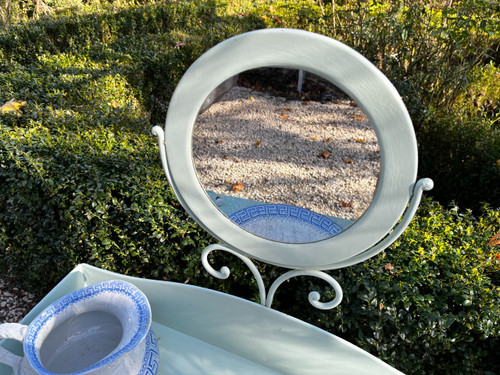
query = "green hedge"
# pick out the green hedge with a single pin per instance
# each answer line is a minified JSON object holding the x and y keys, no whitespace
{"x":90,"y":196}
{"x":429,"y":304}
{"x":460,"y":147}
{"x":149,"y":47}
{"x":80,"y":178}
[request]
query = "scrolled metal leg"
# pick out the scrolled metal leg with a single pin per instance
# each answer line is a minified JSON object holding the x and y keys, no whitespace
{"x":225,"y":272}
{"x":314,"y":297}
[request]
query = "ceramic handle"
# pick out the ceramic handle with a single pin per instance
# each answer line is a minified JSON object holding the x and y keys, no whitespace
{"x":17,"y":332}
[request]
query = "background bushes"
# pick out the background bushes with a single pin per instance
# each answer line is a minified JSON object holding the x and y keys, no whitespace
{"x":429,"y":304}
{"x":81,"y":181}
{"x":149,"y":46}
{"x":80,"y":178}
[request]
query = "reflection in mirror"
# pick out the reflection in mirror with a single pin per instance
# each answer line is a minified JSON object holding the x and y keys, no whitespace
{"x":288,"y":165}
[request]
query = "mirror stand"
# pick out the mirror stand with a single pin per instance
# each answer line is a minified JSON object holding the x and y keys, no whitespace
{"x":397,"y":193}
{"x":266,"y":298}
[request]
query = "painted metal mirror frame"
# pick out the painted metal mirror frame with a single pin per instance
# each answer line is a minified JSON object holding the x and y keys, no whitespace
{"x":353,"y":74}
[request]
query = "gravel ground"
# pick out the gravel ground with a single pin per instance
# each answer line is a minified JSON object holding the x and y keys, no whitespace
{"x":320,"y":156}
{"x":15,"y":303}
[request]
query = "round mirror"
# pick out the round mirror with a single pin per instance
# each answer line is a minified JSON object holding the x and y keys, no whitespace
{"x":286,"y":154}
{"x":316,"y":55}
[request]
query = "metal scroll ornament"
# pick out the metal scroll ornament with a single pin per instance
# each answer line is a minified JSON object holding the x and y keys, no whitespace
{"x":266,"y":299}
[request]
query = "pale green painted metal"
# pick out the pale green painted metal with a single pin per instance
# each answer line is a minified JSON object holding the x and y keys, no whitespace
{"x":422,"y":185}
{"x":266,"y":299}
{"x":205,"y":332}
{"x":314,"y":297}
{"x":225,"y":272}
{"x":351,"y":72}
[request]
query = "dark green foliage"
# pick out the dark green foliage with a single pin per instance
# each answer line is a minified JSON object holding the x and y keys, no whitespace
{"x":460,"y":148}
{"x":90,"y":196}
{"x":461,"y":156}
{"x":429,"y":304}
{"x":80,"y":177}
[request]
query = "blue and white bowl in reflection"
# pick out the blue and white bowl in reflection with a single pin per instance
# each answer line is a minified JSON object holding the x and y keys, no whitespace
{"x":285,"y":223}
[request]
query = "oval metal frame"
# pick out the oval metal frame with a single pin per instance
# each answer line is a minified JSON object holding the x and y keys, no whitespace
{"x":345,"y":68}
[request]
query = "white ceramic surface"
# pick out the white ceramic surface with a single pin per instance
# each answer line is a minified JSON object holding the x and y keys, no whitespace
{"x":100,"y":329}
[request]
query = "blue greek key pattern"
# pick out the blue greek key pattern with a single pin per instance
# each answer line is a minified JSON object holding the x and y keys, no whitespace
{"x":289,"y":212}
{"x":152,"y":356}
{"x":111,"y":286}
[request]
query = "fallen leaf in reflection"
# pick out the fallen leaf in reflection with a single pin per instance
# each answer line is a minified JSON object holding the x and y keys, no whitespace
{"x":345,"y":204}
{"x":237,"y":187}
{"x":495,"y":240}
{"x":358,"y":117}
{"x":314,"y":138}
{"x":324,"y":154}
{"x":348,"y":161}
{"x":284,"y":117}
{"x":227,"y":182}
{"x":360,"y":140}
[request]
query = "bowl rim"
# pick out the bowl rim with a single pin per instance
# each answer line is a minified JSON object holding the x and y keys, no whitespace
{"x":124,"y":288}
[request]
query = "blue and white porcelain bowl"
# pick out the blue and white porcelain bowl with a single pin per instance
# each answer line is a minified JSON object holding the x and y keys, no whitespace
{"x":285,"y":223}
{"x":101,"y":329}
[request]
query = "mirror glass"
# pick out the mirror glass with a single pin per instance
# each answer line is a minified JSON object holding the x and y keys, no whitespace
{"x":286,"y":155}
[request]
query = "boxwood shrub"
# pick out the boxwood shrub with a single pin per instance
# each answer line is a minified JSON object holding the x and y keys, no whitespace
{"x":460,"y":147}
{"x":149,"y":46}
{"x":91,"y":196}
{"x":80,"y":178}
{"x":427,"y":305}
